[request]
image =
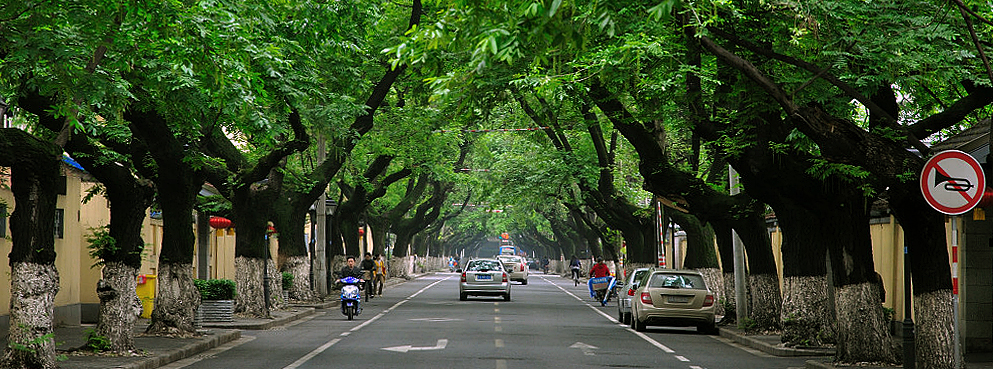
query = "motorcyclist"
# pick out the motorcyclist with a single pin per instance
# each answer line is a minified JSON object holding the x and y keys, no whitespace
{"x":350,"y":270}
{"x":599,"y":270}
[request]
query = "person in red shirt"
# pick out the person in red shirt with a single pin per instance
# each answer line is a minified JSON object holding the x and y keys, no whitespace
{"x":599,"y":270}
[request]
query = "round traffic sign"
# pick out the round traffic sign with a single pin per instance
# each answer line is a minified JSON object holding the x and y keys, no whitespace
{"x":953,"y":182}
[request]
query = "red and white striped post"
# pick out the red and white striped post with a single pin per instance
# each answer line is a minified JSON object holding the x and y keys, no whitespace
{"x":956,"y":351}
{"x":660,"y":224}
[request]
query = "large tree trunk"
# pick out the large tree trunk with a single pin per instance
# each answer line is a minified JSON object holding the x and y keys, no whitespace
{"x":118,"y":302}
{"x":299,"y":267}
{"x":807,"y":314}
{"x":34,"y":279}
{"x":32,"y":309}
{"x":176,"y":300}
{"x":924,"y":237}
{"x":863,"y":333}
{"x":293,"y":255}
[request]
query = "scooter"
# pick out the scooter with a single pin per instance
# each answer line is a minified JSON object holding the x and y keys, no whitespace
{"x":351,"y":297}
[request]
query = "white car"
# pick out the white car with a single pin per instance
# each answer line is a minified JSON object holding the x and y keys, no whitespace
{"x":516,"y":267}
{"x":484,"y":277}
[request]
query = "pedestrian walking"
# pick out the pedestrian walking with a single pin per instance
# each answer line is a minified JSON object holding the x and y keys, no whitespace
{"x":380,"y":274}
{"x":368,"y":273}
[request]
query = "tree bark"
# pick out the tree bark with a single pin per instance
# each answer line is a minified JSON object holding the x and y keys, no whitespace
{"x":35,"y":169}
{"x":129,"y":198}
{"x":178,"y":184}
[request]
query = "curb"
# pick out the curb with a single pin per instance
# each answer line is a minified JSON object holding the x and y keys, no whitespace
{"x":773,"y":350}
{"x":184,"y":352}
{"x":814,"y":364}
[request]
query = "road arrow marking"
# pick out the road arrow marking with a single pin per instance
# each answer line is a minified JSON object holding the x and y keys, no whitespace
{"x":587,"y":349}
{"x":440,"y":345}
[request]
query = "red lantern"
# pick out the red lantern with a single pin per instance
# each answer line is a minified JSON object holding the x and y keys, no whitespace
{"x":219,"y":222}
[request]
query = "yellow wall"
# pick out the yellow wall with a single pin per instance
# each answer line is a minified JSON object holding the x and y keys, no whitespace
{"x":887,"y":255}
{"x":5,"y":244}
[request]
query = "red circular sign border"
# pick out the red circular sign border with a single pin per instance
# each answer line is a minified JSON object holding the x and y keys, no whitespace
{"x":933,"y":162}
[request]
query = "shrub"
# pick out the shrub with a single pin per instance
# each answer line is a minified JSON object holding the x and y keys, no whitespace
{"x":215,"y":289}
{"x":287,"y":280}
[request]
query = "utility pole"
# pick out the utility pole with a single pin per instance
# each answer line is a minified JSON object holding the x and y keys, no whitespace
{"x":740,"y":304}
{"x":320,"y":239}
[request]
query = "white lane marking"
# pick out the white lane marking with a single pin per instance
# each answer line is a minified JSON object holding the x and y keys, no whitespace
{"x":681,"y":358}
{"x":611,"y":318}
{"x":498,"y":329}
{"x":310,"y":355}
{"x":498,"y":342}
{"x":652,"y":341}
{"x":496,"y":320}
{"x":401,"y":302}
{"x":330,"y":343}
{"x":345,"y":334}
{"x":695,"y":367}
{"x":212,"y":352}
{"x":501,"y":364}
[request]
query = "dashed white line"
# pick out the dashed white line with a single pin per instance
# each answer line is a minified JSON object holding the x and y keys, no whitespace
{"x":682,"y":358}
{"x":330,"y":343}
{"x":498,"y":342}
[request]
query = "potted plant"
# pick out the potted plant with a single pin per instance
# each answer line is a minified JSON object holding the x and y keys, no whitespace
{"x":217,"y":299}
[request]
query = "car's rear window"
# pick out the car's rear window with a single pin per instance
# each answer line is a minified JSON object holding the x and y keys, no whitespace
{"x":671,"y":280}
{"x":480,"y":266}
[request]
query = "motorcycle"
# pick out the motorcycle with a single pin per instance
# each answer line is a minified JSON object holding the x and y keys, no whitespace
{"x":350,"y":297}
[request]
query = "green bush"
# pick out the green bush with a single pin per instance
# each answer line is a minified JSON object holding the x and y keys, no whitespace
{"x":287,"y":280}
{"x":215,"y":289}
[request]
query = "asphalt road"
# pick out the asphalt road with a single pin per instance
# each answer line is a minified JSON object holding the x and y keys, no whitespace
{"x":549,"y":323}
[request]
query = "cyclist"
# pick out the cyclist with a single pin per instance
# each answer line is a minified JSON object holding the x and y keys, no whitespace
{"x":575,"y":265}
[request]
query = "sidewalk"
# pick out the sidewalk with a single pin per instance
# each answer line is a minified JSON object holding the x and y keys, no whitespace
{"x":772,"y":345}
{"x":162,"y":350}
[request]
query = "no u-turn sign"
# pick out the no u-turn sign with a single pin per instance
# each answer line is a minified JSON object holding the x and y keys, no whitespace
{"x":953,"y":182}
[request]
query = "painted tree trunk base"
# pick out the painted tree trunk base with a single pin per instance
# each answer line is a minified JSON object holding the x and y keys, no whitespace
{"x":727,"y":299}
{"x":934,"y":327}
{"x":176,"y":301}
{"x":713,"y":278}
{"x":118,"y":302}
{"x":807,"y":317}
{"x":863,"y":333}
{"x":766,"y":301}
{"x":299,"y":267}
{"x":276,"y":300}
{"x":31,"y":343}
{"x":248,"y":278}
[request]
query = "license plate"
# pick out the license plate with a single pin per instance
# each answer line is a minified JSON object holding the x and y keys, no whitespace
{"x":484,"y":277}
{"x":677,"y":299}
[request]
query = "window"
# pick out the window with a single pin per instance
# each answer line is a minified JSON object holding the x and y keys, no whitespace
{"x":666,"y":280}
{"x":62,"y":185}
{"x":60,"y":216}
{"x":3,"y":220}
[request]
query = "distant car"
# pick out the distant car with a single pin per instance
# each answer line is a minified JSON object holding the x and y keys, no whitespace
{"x":626,"y":292}
{"x":516,"y":267}
{"x":673,"y":298}
{"x":533,"y":264}
{"x":484,"y":277}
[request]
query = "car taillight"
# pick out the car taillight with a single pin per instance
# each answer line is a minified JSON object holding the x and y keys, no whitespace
{"x":708,"y":301}
{"x":463,"y":276}
{"x":646,"y":298}
{"x":504,"y":277}
{"x":522,"y":267}
{"x":630,"y":292}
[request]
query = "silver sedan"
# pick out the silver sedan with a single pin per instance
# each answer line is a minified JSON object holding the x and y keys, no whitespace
{"x":484,"y":277}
